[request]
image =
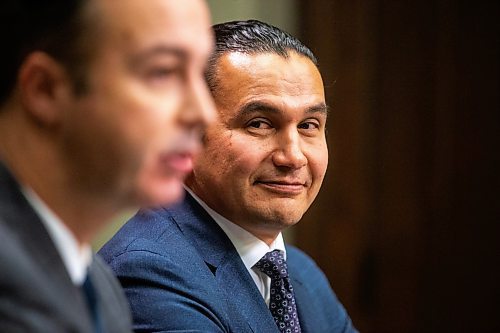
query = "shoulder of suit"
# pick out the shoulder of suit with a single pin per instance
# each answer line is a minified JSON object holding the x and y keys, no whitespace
{"x":298,"y":258}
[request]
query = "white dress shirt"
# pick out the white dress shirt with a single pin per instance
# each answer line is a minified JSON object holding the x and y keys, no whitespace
{"x":76,"y":257}
{"x":250,"y":248}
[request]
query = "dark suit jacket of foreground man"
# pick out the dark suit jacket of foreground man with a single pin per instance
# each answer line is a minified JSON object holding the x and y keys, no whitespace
{"x":181,"y":271}
{"x":36,"y":292}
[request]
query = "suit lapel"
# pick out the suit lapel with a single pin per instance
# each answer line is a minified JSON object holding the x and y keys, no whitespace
{"x":303,"y":308}
{"x":305,"y":305}
{"x":246,"y":307}
{"x":244,"y":296}
{"x":38,"y":248}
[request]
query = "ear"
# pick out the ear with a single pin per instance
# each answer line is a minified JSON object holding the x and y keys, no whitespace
{"x":44,"y":87}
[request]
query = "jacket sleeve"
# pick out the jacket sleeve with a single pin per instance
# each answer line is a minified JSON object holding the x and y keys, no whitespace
{"x":166,"y":293}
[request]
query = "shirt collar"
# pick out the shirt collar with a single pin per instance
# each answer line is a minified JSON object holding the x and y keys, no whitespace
{"x":250,"y":248}
{"x":76,"y":257}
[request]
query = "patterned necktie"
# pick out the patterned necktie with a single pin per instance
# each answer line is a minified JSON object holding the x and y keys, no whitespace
{"x":282,"y":302}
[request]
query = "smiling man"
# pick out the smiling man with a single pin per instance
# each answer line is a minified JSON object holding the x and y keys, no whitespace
{"x":217,"y":262}
{"x":102,"y":103}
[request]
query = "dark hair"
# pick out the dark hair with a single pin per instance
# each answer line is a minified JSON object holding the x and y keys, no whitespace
{"x":251,"y":37}
{"x":52,"y":26}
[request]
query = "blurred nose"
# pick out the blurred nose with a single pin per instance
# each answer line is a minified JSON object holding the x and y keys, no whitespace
{"x":289,"y":152}
{"x":200,"y":109}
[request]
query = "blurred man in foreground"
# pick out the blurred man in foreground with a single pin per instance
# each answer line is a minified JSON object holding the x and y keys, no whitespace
{"x":101,"y":107}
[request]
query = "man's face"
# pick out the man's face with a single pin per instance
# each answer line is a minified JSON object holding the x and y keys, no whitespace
{"x":134,"y":133}
{"x":264,"y":160}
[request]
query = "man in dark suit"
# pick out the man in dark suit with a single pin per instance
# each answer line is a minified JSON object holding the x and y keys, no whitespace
{"x":101,"y":105}
{"x":217,"y":262}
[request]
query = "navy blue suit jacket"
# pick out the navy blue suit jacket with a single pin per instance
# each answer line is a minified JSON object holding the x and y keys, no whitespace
{"x":182,"y":273}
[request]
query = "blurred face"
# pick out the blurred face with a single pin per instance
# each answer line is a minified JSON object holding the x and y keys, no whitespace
{"x":133,"y":135}
{"x":264,"y":160}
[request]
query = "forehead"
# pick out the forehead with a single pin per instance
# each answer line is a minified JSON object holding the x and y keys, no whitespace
{"x":244,"y":78}
{"x":139,"y":24}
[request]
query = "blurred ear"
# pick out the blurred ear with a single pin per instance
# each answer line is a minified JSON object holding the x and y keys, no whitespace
{"x":44,"y":88}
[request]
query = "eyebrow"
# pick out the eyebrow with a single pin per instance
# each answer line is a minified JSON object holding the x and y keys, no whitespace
{"x":157,"y":51}
{"x":319,"y":108}
{"x":252,"y":107}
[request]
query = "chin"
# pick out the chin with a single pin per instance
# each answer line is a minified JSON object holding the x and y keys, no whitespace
{"x":287,"y":212}
{"x":289,"y":223}
{"x":282,"y":218}
{"x":162,"y":195}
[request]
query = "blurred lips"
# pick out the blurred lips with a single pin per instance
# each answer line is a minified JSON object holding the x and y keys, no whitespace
{"x":180,"y":160}
{"x":177,"y":162}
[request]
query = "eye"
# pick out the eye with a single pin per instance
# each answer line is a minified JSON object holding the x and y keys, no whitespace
{"x":259,"y":126}
{"x":161,"y":72}
{"x":309,"y":125}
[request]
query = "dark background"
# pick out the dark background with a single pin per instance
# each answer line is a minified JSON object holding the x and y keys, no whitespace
{"x":406,"y":225}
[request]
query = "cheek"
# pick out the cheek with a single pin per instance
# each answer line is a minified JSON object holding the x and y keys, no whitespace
{"x":129,"y":132}
{"x":146,"y":127}
{"x":248,"y":157}
{"x":233,"y":158}
{"x":318,"y":160}
{"x":144,"y":111}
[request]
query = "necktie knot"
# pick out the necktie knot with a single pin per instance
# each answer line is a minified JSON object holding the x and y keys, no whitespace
{"x":273,"y":264}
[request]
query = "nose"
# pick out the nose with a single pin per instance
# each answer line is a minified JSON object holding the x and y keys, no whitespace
{"x":289,"y":152}
{"x":199,"y":111}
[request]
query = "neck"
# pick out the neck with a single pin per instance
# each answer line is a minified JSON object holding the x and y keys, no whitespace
{"x":267,"y":235}
{"x":32,"y":157}
{"x":265,"y":232}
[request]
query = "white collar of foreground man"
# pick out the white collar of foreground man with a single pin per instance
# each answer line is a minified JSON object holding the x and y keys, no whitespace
{"x":76,"y":257}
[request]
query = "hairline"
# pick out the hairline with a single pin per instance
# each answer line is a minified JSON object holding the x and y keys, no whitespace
{"x":214,"y":62}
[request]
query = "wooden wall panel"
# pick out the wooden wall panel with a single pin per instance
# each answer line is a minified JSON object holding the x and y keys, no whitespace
{"x":406,"y":225}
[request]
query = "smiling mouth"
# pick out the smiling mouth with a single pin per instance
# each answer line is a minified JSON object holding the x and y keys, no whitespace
{"x":284,"y":188}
